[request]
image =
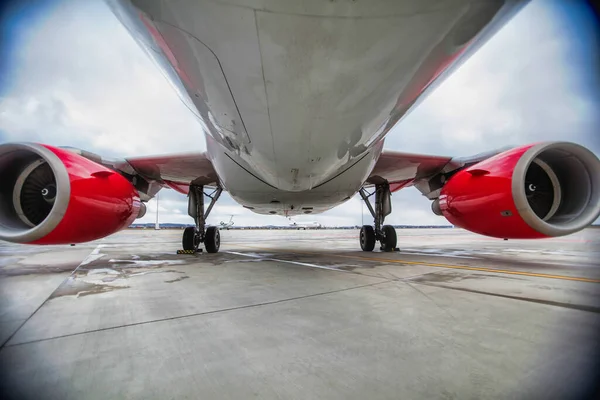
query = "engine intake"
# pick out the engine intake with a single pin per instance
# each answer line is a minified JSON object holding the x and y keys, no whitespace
{"x":540,"y":190}
{"x":50,"y":195}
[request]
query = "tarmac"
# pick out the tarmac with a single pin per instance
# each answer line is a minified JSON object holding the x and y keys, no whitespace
{"x":302,"y":315}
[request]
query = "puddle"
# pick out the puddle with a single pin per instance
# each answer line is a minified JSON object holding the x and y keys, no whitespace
{"x":177,"y":279}
{"x":350,"y":267}
{"x":145,"y":263}
{"x":447,"y":277}
{"x":94,"y":255}
{"x":102,"y":271}
{"x":79,"y":288}
{"x":7,"y":261}
{"x":252,"y":260}
{"x":456,"y":277}
{"x":20,"y":270}
{"x":152,"y":272}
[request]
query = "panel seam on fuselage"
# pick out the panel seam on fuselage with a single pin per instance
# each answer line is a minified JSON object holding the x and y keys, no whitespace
{"x":299,"y":14}
{"x":347,"y":169}
{"x":222,"y":71}
{"x":239,"y":165}
{"x":262,"y":68}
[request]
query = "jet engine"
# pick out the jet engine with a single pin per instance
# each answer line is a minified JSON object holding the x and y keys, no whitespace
{"x":50,"y":195}
{"x":535,"y":191}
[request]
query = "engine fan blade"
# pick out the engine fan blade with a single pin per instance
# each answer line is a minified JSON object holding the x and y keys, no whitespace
{"x":539,"y":190}
{"x":38,"y":194}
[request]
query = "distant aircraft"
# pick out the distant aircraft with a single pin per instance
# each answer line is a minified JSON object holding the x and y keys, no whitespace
{"x":227,"y":225}
{"x":304,"y":225}
{"x":295,"y":100}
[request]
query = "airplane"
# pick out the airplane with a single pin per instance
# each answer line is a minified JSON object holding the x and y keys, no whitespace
{"x":304,"y":225}
{"x":227,"y":225}
{"x":295,"y":99}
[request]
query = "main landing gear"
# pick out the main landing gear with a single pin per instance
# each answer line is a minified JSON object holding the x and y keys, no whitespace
{"x":385,"y":234}
{"x":194,"y":235}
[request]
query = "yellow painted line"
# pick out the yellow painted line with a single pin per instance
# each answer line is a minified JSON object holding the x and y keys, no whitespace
{"x":387,"y":260}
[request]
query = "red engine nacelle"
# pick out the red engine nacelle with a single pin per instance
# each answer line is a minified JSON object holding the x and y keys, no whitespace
{"x":534,"y":191}
{"x":50,"y":195}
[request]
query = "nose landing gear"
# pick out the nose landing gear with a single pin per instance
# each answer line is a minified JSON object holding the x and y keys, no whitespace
{"x":385,"y":234}
{"x":194,"y":235}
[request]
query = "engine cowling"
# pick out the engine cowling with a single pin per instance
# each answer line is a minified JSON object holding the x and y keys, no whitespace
{"x":50,"y":195}
{"x":535,"y":191}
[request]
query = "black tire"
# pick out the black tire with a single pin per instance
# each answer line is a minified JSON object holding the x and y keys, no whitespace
{"x":367,"y":238}
{"x":212,"y":239}
{"x":189,"y":238}
{"x":390,"y":240}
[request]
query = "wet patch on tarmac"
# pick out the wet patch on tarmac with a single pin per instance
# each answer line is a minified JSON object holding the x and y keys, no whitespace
{"x":252,"y":260}
{"x":580,"y":307}
{"x":351,"y":267}
{"x":203,"y":257}
{"x":20,"y":269}
{"x":103,"y":273}
{"x":430,"y":324}
{"x":148,"y":261}
{"x":177,"y":279}
{"x":440,"y":277}
{"x":80,"y":288}
{"x":318,"y":260}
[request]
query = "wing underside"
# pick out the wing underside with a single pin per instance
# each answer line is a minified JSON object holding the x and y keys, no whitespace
{"x":404,"y":169}
{"x":152,"y":173}
{"x":176,"y":171}
{"x":426,"y":172}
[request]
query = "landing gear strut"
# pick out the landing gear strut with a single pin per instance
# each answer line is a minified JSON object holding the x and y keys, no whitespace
{"x":194,"y":235}
{"x":385,"y":234}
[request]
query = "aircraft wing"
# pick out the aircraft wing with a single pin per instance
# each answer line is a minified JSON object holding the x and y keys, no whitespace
{"x":403,"y":169}
{"x":177,"y":171}
{"x":423,"y":171}
{"x":152,"y":173}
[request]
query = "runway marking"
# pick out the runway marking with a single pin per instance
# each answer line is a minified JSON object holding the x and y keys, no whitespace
{"x":286,"y":261}
{"x":93,"y":256}
{"x":483,"y":269}
{"x":437,"y":255}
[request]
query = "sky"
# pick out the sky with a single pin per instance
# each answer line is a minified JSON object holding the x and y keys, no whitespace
{"x":70,"y":74}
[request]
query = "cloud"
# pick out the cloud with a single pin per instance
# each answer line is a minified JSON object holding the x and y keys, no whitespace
{"x":77,"y":78}
{"x":534,"y":80}
{"x":80,"y":79}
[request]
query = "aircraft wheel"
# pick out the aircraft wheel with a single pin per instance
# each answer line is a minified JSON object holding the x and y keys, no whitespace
{"x":189,"y":241}
{"x":390,"y":239}
{"x":367,"y":238}
{"x":212,"y":239}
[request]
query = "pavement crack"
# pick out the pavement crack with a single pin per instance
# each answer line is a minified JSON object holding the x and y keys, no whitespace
{"x":50,"y":296}
{"x":267,"y":303}
{"x":444,"y":310}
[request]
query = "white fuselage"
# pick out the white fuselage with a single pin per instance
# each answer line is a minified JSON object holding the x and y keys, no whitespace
{"x":305,"y":225}
{"x":295,"y":97}
{"x":228,"y":224}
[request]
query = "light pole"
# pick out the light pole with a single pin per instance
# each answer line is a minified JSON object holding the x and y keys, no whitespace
{"x":156,"y":226}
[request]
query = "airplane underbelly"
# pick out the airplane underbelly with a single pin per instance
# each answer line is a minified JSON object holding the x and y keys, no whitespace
{"x":298,"y":92}
{"x":257,"y":195}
